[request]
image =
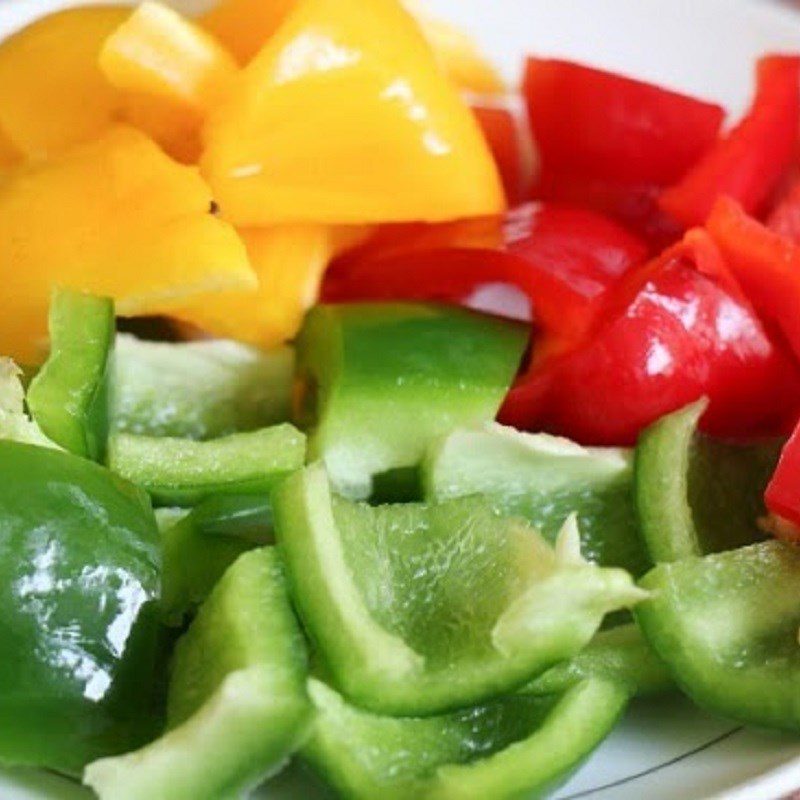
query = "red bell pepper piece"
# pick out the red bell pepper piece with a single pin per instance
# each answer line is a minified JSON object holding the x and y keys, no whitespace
{"x":783,"y":492}
{"x":748,"y":163}
{"x":510,"y":145}
{"x":784,"y":219}
{"x":670,"y":333}
{"x":590,"y":123}
{"x":766,"y":264}
{"x":563,"y":260}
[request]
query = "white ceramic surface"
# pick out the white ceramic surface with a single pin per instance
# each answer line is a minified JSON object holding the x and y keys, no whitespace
{"x":665,"y":749}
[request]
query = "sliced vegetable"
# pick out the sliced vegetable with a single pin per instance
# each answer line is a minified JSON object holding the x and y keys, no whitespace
{"x":413,"y":133}
{"x":676,"y":330}
{"x":418,"y":609}
{"x":544,"y":479}
{"x":784,"y":218}
{"x":238,"y":705}
{"x":620,"y":655}
{"x":184,"y":472}
{"x":766,"y":264}
{"x":511,"y":747}
{"x":783,"y":491}
{"x":15,"y":424}
{"x":748,"y":162}
{"x":79,"y":584}
{"x":381,"y":381}
{"x":726,"y":625}
{"x":69,"y":396}
{"x":139,"y":210}
{"x":198,"y":547}
{"x":697,"y":495}
{"x":156,"y":387}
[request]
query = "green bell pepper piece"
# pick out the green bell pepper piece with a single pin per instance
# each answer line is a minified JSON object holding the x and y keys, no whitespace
{"x":199,"y":546}
{"x":15,"y":424}
{"x":544,"y":479}
{"x":697,"y":495}
{"x":199,"y":390}
{"x":382,"y":381}
{"x":238,"y":705}
{"x":183,"y":472}
{"x":620,"y":655}
{"x":417,"y":609}
{"x":513,"y":747}
{"x":69,"y":397}
{"x":79,"y":585}
{"x":726,"y":625}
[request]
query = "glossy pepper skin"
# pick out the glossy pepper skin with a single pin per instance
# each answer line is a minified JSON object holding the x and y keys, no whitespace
{"x":748,"y":162}
{"x":676,"y":330}
{"x":783,"y":492}
{"x":79,"y":585}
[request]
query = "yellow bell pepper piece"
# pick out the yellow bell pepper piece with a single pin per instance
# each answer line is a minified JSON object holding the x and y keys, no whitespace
{"x":344,"y":117}
{"x":457,"y":53}
{"x":9,"y":155}
{"x":115,"y":217}
{"x":244,"y":26}
{"x":52,"y":93}
{"x":289,"y":261}
{"x":158,"y":52}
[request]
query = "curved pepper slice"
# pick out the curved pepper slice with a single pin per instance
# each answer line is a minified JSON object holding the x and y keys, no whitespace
{"x":543,"y":479}
{"x":69,"y":397}
{"x":674,"y":331}
{"x":340,"y":61}
{"x":237,"y":705}
{"x":749,"y":161}
{"x":620,"y":655}
{"x":388,"y":595}
{"x":155,"y":387}
{"x":289,"y":261}
{"x":508,"y":748}
{"x":54,"y":94}
{"x":697,"y":495}
{"x":183,"y":472}
{"x":382,"y":381}
{"x":783,"y":492}
{"x":79,"y":584}
{"x":15,"y":424}
{"x":726,"y":626}
{"x":142,"y":235}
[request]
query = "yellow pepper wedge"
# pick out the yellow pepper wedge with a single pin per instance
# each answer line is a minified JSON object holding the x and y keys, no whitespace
{"x":344,"y":117}
{"x":457,"y":53}
{"x":289,"y":261}
{"x":244,"y":26}
{"x":115,"y":217}
{"x":158,"y":52}
{"x":52,"y":93}
{"x":9,"y":155}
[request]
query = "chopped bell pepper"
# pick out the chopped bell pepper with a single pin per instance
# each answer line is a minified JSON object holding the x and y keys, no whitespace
{"x":748,"y":162}
{"x":367,"y":78}
{"x":289,"y":261}
{"x":783,"y":491}
{"x":670,"y":333}
{"x":543,"y":479}
{"x":380,"y":382}
{"x":141,"y":213}
{"x":79,"y":585}
{"x":183,"y":472}
{"x":696,"y":495}
{"x":784,"y":218}
{"x":620,"y":655}
{"x":199,"y":546}
{"x":726,"y":626}
{"x":388,"y":596}
{"x":70,"y":396}
{"x":237,"y":705}
{"x":511,"y":747}
{"x":156,"y":387}
{"x":766,"y":264}
{"x":15,"y":424}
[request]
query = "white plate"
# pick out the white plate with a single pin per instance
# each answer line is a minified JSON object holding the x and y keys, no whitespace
{"x":663,"y":750}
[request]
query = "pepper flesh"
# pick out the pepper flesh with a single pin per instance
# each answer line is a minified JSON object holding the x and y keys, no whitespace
{"x":340,"y":62}
{"x":783,"y":492}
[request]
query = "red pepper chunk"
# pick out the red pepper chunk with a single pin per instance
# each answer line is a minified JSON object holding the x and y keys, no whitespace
{"x":766,"y":264}
{"x":563,"y":260}
{"x":671,"y":333}
{"x":748,"y":163}
{"x":783,"y":492}
{"x":594,"y":124}
{"x":784,"y":219}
